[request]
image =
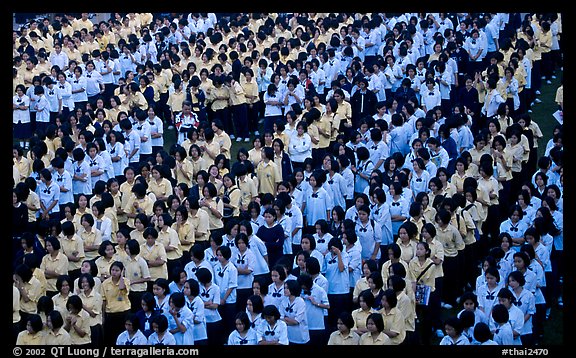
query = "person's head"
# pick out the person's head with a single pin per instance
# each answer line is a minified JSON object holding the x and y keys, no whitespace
{"x":500,"y":314}
{"x":271,"y":314}
{"x":161,"y":287}
{"x":516,"y":279}
{"x":453,"y":327}
{"x":375,"y":323}
{"x":506,"y":297}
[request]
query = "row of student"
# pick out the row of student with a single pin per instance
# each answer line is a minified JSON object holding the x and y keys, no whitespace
{"x":319,"y":211}
{"x":287,"y":282}
{"x":548,"y":171}
{"x":313,"y":76}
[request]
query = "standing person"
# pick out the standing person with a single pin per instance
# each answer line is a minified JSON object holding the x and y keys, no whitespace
{"x":54,"y":264}
{"x":316,"y":300}
{"x":344,"y":335}
{"x":421,"y":271}
{"x":336,"y":268}
{"x":244,"y":260}
{"x":56,"y":334}
{"x":272,"y":234}
{"x":180,"y":320}
{"x":273,"y":330}
{"x":293,"y":313}
{"x":132,"y":335}
{"x":92,"y":303}
{"x":226,"y":277}
{"x":196,"y":306}
{"x":21,"y":116}
{"x":115,"y":290}
{"x":375,"y":335}
{"x":137,"y":269}
{"x":244,"y":334}
{"x":210,"y":294}
{"x":453,"y":244}
{"x":317,"y":203}
{"x":49,"y":193}
{"x":77,"y":322}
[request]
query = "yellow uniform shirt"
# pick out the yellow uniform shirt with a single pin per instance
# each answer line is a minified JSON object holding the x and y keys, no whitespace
{"x":90,"y":238}
{"x":33,"y":203}
{"x":184,"y":172}
{"x":394,"y":321}
{"x":458,"y":181}
{"x":185,"y":235}
{"x":381,"y":340}
{"x":408,"y":310}
{"x":138,"y":236}
{"x":60,"y":302}
{"x":199,"y":223}
{"x":408,"y":250}
{"x":489,"y":186}
{"x":136,"y":268}
{"x":212,"y":148}
{"x":15,"y":305}
{"x":169,"y":238}
{"x":213,"y":221}
{"x":338,"y":339}
{"x":314,"y":135}
{"x":437,"y":251}
{"x":248,"y":191}
{"x":385,"y":271}
{"x":58,"y":338}
{"x":153,"y":253}
{"x":93,"y":301}
{"x":82,"y":322}
{"x":58,"y":264}
{"x":414,"y":270}
{"x":324,"y":124}
{"x":236,"y":93}
{"x":268,"y":176}
{"x":451,"y":240}
{"x":359,"y":316}
{"x":26,"y":338}
{"x":255,"y":156}
{"x":162,"y":189}
{"x":223,"y":139}
{"x":145,"y":206}
{"x":23,"y":165}
{"x":116,"y":300}
{"x":175,"y":101}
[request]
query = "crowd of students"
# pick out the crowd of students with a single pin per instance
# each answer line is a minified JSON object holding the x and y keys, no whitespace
{"x":395,"y":173}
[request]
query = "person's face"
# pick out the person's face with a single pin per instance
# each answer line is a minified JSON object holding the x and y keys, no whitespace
{"x":109,"y":251}
{"x":363,"y":216}
{"x":158,"y":291}
{"x":269,"y":218}
{"x":420,"y":251}
{"x":513,"y":283}
{"x":370,"y":326}
{"x":115,"y":271}
{"x":539,"y":181}
{"x":515,"y":217}
{"x":491,"y":280}
{"x":518,"y":263}
{"x":450,"y":331}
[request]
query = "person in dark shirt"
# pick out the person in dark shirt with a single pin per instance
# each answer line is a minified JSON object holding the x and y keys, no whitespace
{"x":273,"y":236}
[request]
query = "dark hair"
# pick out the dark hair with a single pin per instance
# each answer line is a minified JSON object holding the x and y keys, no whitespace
{"x":271,"y":311}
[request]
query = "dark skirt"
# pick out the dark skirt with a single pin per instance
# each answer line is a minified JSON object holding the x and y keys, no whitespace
{"x":22,"y":130}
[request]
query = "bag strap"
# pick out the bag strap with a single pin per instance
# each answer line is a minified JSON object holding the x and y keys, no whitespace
{"x":423,"y":272}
